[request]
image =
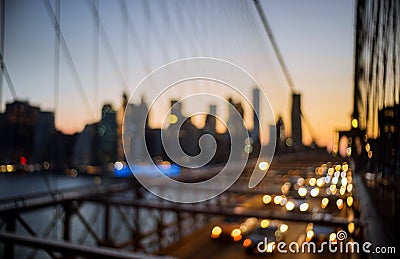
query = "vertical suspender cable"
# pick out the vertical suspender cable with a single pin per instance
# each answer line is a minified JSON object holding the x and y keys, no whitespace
{"x":96,"y":50}
{"x":3,"y":19}
{"x":107,"y":44}
{"x":2,"y":62}
{"x":69,"y":59}
{"x":135,"y":37}
{"x":125,"y":42}
{"x":57,"y":58}
{"x":281,"y":60}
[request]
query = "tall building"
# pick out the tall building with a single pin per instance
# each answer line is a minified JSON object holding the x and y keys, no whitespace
{"x":44,"y":138}
{"x":85,"y":146}
{"x":255,"y":133}
{"x":233,"y":122}
{"x":134,"y":132}
{"x":210,"y":128}
{"x":280,"y":136}
{"x":181,"y":128}
{"x":64,"y":148}
{"x":18,"y":133}
{"x":238,"y":146}
{"x":154,"y":144}
{"x":256,"y":112}
{"x":97,"y":143}
{"x":176,"y":116}
{"x":211,"y":121}
{"x":297,"y":135}
{"x":120,"y":120}
{"x":107,"y":136}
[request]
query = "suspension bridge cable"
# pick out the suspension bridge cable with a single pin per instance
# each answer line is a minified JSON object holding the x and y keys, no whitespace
{"x":251,"y":26}
{"x":163,"y":51}
{"x":3,"y":20}
{"x":275,"y":45}
{"x":255,"y":39}
{"x":135,"y":36}
{"x":189,"y":22}
{"x":68,"y":57}
{"x":125,"y":41}
{"x":52,"y":188}
{"x":8,"y":78}
{"x":96,"y":54}
{"x":193,"y":49}
{"x":107,"y":43}
{"x":4,"y":69}
{"x":280,"y":59}
{"x":57,"y":58}
{"x":308,"y":125}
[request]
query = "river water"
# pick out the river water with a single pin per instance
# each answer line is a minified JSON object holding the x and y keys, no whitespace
{"x":18,"y":185}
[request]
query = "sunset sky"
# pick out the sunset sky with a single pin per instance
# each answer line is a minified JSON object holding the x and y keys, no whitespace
{"x":315,"y":38}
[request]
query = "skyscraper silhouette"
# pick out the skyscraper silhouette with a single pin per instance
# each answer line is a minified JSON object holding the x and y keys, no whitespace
{"x":297,"y":134}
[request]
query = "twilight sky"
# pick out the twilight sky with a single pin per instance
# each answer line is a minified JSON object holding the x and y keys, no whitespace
{"x":314,"y":36}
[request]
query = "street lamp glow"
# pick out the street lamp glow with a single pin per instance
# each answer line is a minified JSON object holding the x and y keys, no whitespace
{"x":320,"y":182}
{"x":309,"y":235}
{"x":173,"y":119}
{"x":354,"y":123}
{"x":314,"y":192}
{"x":264,"y":223}
{"x":324,"y":202}
{"x":348,"y":151}
{"x":342,"y":190}
{"x":289,"y":206}
{"x":278,"y":199}
{"x":216,"y":232}
{"x":118,"y":165}
{"x":350,"y":201}
{"x":349,"y":188}
{"x":236,"y":234}
{"x":267,"y":199}
{"x":304,"y":206}
{"x":302,"y":191}
{"x":350,"y":227}
{"x":283,"y":228}
{"x":332,"y":237}
{"x":339,"y":204}
{"x":263,"y":166}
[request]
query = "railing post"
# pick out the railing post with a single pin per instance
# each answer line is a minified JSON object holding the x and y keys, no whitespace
{"x":10,"y":227}
{"x":107,"y":225}
{"x":68,"y":212}
{"x":67,"y":221}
